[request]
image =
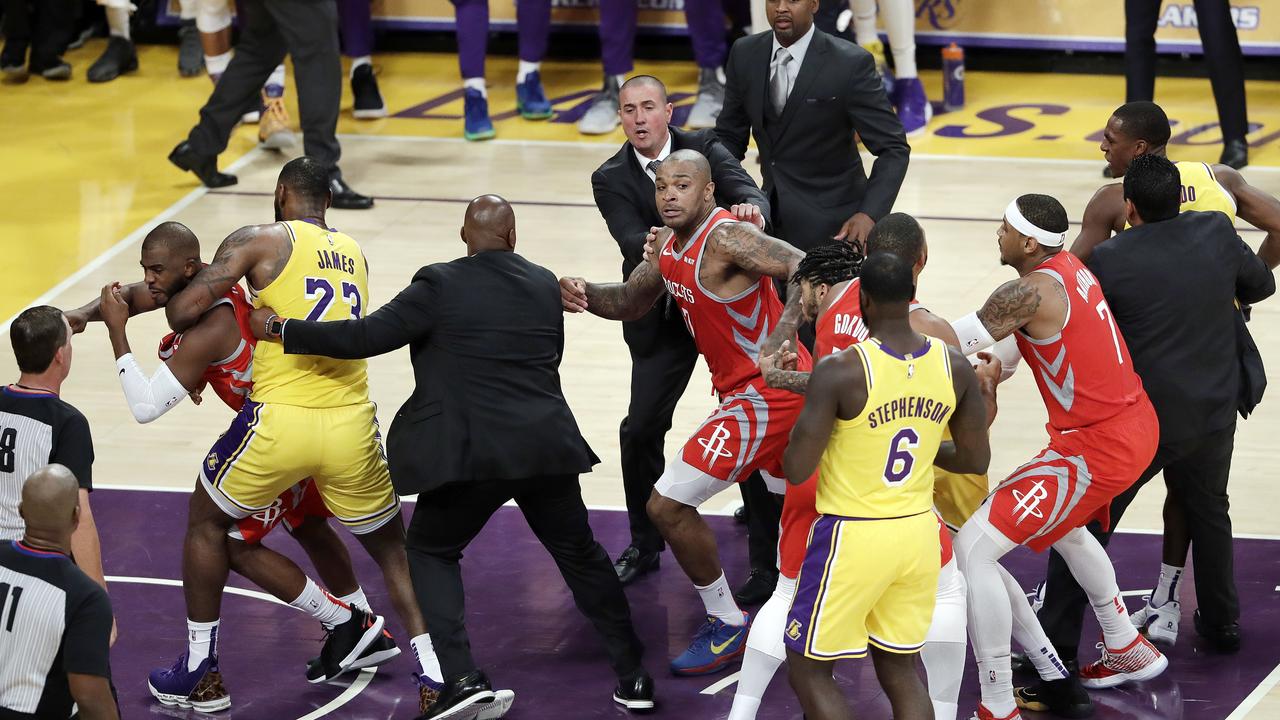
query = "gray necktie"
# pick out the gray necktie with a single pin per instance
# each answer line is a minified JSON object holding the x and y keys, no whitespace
{"x":780,"y":83}
{"x":653,"y":166}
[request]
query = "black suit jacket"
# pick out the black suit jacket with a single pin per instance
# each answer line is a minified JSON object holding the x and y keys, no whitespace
{"x":625,"y":197}
{"x":1172,"y":288}
{"x":812,"y":171}
{"x":485,"y":334}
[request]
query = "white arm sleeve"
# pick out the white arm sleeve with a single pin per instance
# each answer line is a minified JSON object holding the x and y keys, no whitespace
{"x":1006,"y":351}
{"x":148,"y":399}
{"x":972,"y":334}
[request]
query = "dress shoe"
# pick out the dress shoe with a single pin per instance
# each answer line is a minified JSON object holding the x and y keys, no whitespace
{"x":1235,"y":154}
{"x":1223,"y":638}
{"x":635,"y":692}
{"x":462,"y":699}
{"x":740,"y":515}
{"x":204,"y":166}
{"x":632,"y":564}
{"x":344,"y":198}
{"x":758,"y":587}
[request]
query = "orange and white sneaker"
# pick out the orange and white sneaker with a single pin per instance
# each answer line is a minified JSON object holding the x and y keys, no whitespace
{"x":984,"y":714}
{"x":274,"y":132}
{"x":1138,"y":661}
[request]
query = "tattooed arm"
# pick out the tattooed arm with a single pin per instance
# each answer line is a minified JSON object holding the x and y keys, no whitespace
{"x":235,"y":258}
{"x":776,"y":357}
{"x":628,"y":300}
{"x":754,"y":252}
{"x":1011,"y":306}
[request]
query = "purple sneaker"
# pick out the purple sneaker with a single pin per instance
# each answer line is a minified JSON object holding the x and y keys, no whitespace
{"x":913,"y":106}
{"x":200,"y":689}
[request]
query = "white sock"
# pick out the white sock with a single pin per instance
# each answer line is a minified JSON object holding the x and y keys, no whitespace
{"x":118,"y":21}
{"x":321,"y":605}
{"x":979,"y":547}
{"x":618,"y":80}
{"x":476,"y":84}
{"x":1030,"y":634}
{"x":217,"y":64}
{"x":718,"y":599}
{"x":995,"y":676}
{"x":525,"y":68}
{"x":277,"y":76}
{"x":864,"y":21}
{"x":187,"y":9}
{"x":428,"y":663}
{"x":357,"y":599}
{"x":900,"y":24}
{"x":1117,"y":631}
{"x":765,"y":651}
{"x":202,"y":641}
{"x":357,"y":62}
{"x":1167,"y":588}
{"x":946,"y":643}
{"x":1092,"y":568}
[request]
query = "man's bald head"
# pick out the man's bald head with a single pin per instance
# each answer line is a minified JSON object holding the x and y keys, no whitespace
{"x":490,"y":224}
{"x":50,"y":505}
{"x":686,"y":163}
{"x":174,"y":239}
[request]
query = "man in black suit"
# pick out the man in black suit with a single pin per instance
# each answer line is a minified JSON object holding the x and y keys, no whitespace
{"x":662,"y":353}
{"x":487,"y":422}
{"x":803,"y":94}
{"x":1172,"y":282}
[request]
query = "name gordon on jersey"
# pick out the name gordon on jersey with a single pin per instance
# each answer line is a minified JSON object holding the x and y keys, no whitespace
{"x":334,"y":260}
{"x":910,"y":407}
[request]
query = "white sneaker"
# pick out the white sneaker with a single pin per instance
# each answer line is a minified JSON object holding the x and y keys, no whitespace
{"x":602,"y":116}
{"x":1139,"y":661}
{"x":503,"y":701}
{"x":1160,"y":623}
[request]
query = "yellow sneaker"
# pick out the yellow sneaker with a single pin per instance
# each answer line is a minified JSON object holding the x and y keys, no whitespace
{"x":274,"y":132}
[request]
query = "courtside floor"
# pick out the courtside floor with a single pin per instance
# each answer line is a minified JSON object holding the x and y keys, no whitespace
{"x":89,"y":179}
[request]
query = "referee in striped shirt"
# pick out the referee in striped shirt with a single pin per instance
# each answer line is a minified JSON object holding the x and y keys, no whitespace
{"x":55,"y":623}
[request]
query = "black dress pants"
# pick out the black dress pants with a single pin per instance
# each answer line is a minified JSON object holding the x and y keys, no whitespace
{"x":446,"y":520}
{"x":307,"y":31}
{"x":1195,"y":472}
{"x":43,"y":26}
{"x":1221,"y":54}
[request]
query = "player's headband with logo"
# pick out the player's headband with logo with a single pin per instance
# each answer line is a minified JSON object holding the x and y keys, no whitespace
{"x":1013,"y":216}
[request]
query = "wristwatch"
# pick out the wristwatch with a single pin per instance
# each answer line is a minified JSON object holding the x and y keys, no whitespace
{"x":275,"y":326}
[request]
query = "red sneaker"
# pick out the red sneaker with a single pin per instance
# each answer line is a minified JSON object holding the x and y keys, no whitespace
{"x":985,"y":714}
{"x":1140,"y":660}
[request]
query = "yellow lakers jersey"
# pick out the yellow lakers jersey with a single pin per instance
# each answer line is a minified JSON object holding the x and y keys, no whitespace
{"x":1202,"y":192}
{"x":880,"y":463}
{"x":325,"y":279}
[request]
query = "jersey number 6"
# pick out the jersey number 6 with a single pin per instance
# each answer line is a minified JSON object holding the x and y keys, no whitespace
{"x":897,"y":467}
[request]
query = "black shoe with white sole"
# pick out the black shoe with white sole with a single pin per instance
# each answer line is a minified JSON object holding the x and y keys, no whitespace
{"x":380,"y":651}
{"x":635,"y":692}
{"x":463,"y":699}
{"x":345,"y":643}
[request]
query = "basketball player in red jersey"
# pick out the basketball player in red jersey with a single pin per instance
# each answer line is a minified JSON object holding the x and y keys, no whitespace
{"x":218,"y":351}
{"x":718,"y":271}
{"x":1103,"y":433}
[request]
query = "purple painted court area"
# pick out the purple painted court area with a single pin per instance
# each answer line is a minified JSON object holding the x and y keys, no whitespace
{"x":527,"y":635}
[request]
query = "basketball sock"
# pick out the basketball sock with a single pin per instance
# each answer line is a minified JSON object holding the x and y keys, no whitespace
{"x":202,"y":641}
{"x":118,"y":21}
{"x":187,"y":9}
{"x":322,"y":606}
{"x":945,"y":644}
{"x":978,"y":548}
{"x":357,"y":599}
{"x":1167,"y":588}
{"x":1092,"y":568}
{"x":765,"y":651}
{"x":995,"y":676}
{"x":357,"y":62}
{"x":525,"y":68}
{"x":900,"y":24}
{"x":476,"y":84}
{"x":1030,"y":634}
{"x":718,"y":599}
{"x":428,"y":663}
{"x":276,"y":80}
{"x":215,"y":65}
{"x":864,"y":21}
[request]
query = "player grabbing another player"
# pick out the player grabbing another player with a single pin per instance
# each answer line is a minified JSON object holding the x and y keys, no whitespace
{"x":1103,"y":433}
{"x":304,"y":417}
{"x":718,"y":271}
{"x":873,"y":423}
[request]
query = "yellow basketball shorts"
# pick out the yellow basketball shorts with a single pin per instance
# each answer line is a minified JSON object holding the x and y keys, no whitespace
{"x":270,"y":447}
{"x":865,"y":581}
{"x":957,"y":497}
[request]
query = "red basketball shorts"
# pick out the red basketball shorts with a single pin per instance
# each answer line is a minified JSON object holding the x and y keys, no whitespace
{"x":292,"y":508}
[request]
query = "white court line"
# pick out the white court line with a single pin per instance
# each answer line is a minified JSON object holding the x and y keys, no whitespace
{"x":128,"y":240}
{"x":1251,"y":701}
{"x":722,"y":683}
{"x":355,"y":688}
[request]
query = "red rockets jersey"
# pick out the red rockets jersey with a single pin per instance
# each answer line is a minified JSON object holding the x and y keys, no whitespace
{"x":231,"y":377}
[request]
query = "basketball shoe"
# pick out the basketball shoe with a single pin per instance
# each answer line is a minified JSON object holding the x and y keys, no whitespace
{"x":200,"y":689}
{"x":984,"y":714}
{"x":1138,"y":661}
{"x":912,"y":105}
{"x":502,"y":702}
{"x":1064,"y":698}
{"x":714,"y":647}
{"x":531,"y":99}
{"x":345,"y":643}
{"x":380,"y":651}
{"x":476,"y":124}
{"x":367,"y":101}
{"x":1158,"y":623}
{"x":274,"y":132}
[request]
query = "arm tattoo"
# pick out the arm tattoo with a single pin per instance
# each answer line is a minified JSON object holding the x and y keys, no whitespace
{"x":212,"y":282}
{"x":792,"y":380}
{"x":755,"y":252}
{"x":628,"y":300}
{"x":1010,"y":307}
{"x":787,"y":324}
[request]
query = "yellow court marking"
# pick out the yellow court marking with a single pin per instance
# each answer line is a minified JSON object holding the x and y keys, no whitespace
{"x":86,"y":164}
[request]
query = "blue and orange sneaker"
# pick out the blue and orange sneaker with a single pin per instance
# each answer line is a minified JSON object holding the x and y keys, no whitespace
{"x":476,"y":124}
{"x":531,"y":100}
{"x":200,"y":689}
{"x":715,"y":646}
{"x":912,"y":105}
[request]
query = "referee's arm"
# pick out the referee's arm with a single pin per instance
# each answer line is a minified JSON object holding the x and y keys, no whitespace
{"x":407,"y":317}
{"x":85,"y":657}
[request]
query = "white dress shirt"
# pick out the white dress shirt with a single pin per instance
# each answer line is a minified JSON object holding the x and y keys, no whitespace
{"x":662,"y":155}
{"x":797,"y":51}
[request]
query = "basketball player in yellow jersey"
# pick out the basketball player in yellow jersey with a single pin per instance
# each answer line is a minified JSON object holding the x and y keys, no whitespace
{"x":873,"y":421}
{"x":305,"y":417}
{"x":1141,"y":127}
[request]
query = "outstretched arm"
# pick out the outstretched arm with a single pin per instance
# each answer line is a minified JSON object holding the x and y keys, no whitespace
{"x":755,"y":252}
{"x":408,"y":316}
{"x":969,"y":450}
{"x":776,"y":357}
{"x":135,"y":295}
{"x":235,"y":257}
{"x":628,"y":300}
{"x":1257,"y":208}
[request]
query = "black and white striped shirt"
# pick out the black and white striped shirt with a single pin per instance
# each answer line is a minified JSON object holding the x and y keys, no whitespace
{"x":54,"y":620}
{"x":37,"y":428}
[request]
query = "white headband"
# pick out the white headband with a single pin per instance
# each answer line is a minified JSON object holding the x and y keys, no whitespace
{"x":1013,"y":216}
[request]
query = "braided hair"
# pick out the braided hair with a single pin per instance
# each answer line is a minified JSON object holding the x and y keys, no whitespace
{"x":830,"y":264}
